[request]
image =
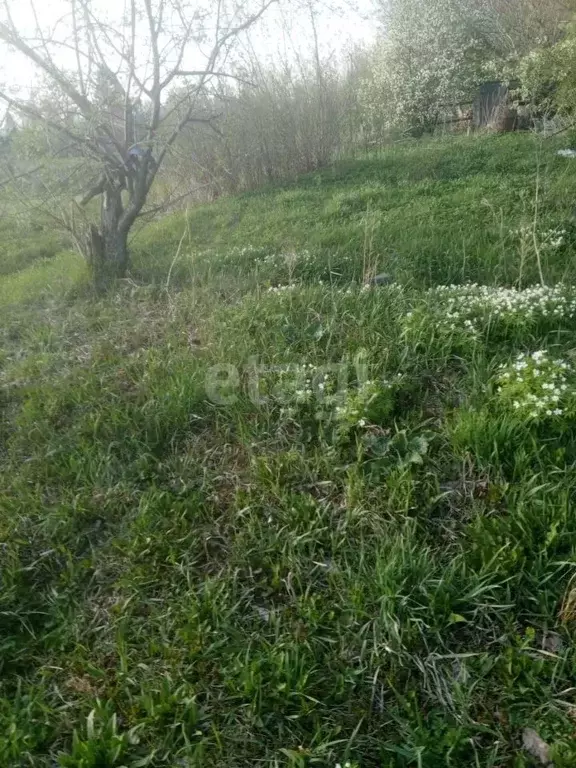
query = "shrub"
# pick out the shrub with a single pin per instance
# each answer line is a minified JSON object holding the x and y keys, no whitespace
{"x":548,"y":76}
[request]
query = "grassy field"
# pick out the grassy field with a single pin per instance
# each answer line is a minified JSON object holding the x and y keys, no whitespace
{"x":254,"y":513}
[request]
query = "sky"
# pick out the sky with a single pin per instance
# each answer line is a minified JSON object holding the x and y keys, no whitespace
{"x":338,"y":26}
{"x":284,"y":31}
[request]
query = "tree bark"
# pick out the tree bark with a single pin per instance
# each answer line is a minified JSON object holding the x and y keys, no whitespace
{"x":107,"y":246}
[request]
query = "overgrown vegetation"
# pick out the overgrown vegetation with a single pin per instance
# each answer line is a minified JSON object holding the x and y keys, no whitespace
{"x":256,"y":513}
{"x":128,"y":134}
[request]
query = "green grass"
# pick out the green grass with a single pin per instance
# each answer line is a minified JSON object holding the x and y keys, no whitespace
{"x":24,"y":242}
{"x":192,"y":575}
{"x":428,"y":212}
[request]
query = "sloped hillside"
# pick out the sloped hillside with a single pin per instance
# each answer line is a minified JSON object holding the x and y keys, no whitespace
{"x":257,"y":510}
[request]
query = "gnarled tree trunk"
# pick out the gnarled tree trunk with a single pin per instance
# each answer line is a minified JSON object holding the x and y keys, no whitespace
{"x":107,"y":245}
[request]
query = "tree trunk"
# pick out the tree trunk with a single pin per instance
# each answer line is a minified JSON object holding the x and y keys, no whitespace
{"x":107,"y":246}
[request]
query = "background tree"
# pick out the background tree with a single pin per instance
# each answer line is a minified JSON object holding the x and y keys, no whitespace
{"x":426,"y":61}
{"x":110,"y":79}
{"x":298,"y":113}
{"x":434,"y":53}
{"x":512,"y":28}
{"x":548,"y":76}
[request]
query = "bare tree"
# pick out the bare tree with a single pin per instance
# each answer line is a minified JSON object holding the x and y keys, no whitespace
{"x":114,"y":80}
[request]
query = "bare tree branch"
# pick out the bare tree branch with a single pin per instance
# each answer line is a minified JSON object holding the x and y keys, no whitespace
{"x":94,"y":191}
{"x":52,"y":71}
{"x":226,"y":75}
{"x":77,"y":48}
{"x":210,"y":68}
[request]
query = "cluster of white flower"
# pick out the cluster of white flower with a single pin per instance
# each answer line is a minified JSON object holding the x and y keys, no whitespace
{"x":348,"y":290}
{"x":296,"y":386}
{"x":234,"y":255}
{"x":548,"y":239}
{"x":471,"y":306}
{"x":286,"y":258}
{"x":353,"y":409}
{"x":552,"y":239}
{"x":283,"y":288}
{"x":374,"y":285}
{"x":291,"y":287}
{"x":312,"y":381}
{"x":357,"y":405}
{"x":245,"y":250}
{"x":331,"y":394}
{"x":536,"y":385}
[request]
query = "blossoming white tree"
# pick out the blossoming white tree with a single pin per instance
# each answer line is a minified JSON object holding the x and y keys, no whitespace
{"x":434,"y":52}
{"x":423,"y":63}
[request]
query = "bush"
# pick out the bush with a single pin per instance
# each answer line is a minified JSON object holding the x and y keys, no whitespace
{"x":548,"y":76}
{"x":430,"y":61}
